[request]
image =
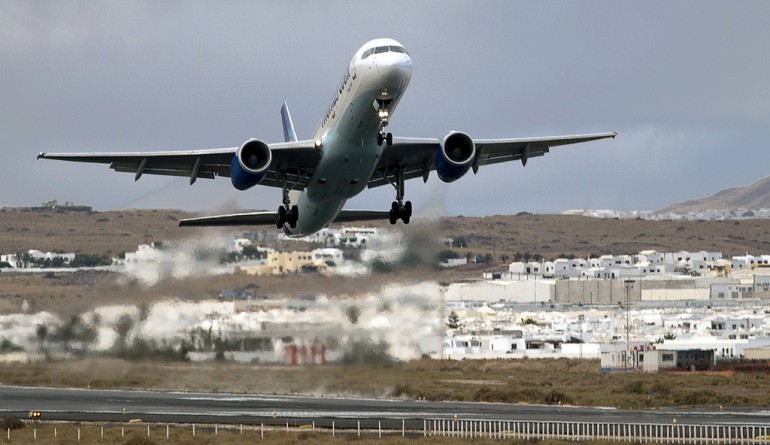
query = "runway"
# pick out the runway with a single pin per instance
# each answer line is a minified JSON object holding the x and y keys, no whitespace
{"x":193,"y":407}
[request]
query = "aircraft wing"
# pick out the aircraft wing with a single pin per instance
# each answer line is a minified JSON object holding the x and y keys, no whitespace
{"x":297,"y":159}
{"x":418,"y":156}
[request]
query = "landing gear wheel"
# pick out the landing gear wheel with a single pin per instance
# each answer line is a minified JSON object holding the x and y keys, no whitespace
{"x":389,"y":138}
{"x":379,"y":138}
{"x":393,"y":215}
{"x":280,"y":219}
{"x":406,"y":212}
{"x":293,"y":217}
{"x":402,"y":212}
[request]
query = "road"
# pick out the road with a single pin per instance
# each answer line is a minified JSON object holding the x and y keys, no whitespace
{"x":192,"y":407}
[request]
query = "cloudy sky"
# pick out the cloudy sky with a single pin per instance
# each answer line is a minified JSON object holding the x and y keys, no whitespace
{"x":686,"y":84}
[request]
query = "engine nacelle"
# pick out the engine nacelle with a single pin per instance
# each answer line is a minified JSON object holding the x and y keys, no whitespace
{"x":455,"y":156}
{"x":250,"y":163}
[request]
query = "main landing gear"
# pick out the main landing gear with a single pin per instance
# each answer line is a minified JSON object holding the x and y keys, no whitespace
{"x":287,"y":213}
{"x":285,"y":216}
{"x":400,"y":209}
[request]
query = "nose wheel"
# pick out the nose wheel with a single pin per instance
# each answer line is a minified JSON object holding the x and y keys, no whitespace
{"x":384,"y":137}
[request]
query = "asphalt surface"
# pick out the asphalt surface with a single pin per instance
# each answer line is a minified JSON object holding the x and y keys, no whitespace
{"x":191,"y":407}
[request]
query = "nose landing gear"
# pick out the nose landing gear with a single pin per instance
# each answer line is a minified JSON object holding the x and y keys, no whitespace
{"x":384,"y":137}
{"x":384,"y":115}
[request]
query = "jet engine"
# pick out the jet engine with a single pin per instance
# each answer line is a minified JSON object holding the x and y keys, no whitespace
{"x":250,"y":163}
{"x":455,"y":156}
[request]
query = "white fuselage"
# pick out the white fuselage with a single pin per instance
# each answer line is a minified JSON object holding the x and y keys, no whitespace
{"x":376,"y":78}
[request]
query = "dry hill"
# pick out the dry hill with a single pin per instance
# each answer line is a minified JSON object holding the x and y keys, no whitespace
{"x":550,"y":236}
{"x":754,"y":196}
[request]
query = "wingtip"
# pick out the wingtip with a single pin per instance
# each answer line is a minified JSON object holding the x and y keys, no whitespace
{"x":40,"y":155}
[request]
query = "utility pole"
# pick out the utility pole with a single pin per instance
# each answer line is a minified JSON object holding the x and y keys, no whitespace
{"x":628,"y":284}
{"x":581,"y":319}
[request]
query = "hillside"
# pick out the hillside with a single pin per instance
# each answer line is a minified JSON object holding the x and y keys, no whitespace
{"x":551,"y":236}
{"x":754,"y":196}
{"x":99,"y":233}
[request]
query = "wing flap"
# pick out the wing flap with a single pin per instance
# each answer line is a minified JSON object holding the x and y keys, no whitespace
{"x":201,"y":173}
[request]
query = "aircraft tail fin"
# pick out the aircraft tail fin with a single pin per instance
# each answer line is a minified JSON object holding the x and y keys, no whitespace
{"x":289,"y":135}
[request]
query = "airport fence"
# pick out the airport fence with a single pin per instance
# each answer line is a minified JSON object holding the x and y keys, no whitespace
{"x":580,"y":431}
{"x":525,"y":430}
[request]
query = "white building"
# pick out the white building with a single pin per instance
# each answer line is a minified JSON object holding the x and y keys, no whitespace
{"x":528,"y":268}
{"x":327,"y":256}
{"x":486,"y":345}
{"x":535,"y":290}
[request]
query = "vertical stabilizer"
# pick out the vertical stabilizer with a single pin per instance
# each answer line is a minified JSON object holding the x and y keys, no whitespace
{"x":288,"y":126}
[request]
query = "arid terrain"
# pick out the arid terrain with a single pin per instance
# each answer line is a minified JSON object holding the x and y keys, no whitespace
{"x":547,"y":381}
{"x":114,"y":232}
{"x":753,"y":196}
{"x":499,"y":238}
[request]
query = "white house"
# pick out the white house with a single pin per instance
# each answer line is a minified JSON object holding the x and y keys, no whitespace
{"x":650,"y":256}
{"x":327,"y":256}
{"x":484,"y":345}
{"x":530,"y":268}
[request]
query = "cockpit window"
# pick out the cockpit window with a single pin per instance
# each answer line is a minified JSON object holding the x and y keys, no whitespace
{"x":383,"y":49}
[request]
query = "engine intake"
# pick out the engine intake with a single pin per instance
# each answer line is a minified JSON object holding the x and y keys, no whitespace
{"x":250,"y":163}
{"x":455,"y":156}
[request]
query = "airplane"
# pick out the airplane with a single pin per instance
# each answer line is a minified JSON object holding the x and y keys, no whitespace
{"x":349,"y":151}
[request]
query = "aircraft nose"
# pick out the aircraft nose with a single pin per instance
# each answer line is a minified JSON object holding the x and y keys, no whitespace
{"x":396,"y":68}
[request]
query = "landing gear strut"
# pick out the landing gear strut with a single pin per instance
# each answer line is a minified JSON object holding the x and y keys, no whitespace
{"x":400,"y":209}
{"x":287,"y":213}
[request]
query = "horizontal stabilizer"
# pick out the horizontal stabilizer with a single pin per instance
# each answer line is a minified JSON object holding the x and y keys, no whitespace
{"x":269,"y":218}
{"x":236,"y":219}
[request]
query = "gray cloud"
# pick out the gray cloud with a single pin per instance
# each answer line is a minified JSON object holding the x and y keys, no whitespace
{"x":685,"y":84}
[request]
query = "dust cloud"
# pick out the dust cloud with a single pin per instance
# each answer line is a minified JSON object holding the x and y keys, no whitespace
{"x":401,"y":320}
